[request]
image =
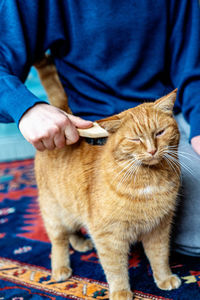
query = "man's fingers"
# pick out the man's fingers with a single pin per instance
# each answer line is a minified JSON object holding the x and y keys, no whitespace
{"x":49,"y":143}
{"x":60,"y":140}
{"x":79,"y":123}
{"x":71,"y":134}
{"x":39,"y":145}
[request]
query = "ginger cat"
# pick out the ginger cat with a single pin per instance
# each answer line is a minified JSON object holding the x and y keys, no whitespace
{"x":122,"y":192}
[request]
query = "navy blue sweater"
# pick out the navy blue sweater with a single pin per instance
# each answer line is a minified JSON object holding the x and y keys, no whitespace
{"x":110,"y":54}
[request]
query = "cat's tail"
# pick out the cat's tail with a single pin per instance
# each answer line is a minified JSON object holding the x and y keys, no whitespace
{"x":50,"y":80}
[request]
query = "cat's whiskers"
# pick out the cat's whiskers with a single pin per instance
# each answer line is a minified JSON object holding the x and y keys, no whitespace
{"x":186,"y":168}
{"x":174,"y":154}
{"x":131,"y":170}
{"x":123,"y":162}
{"x":119,"y":164}
{"x":130,"y":163}
{"x":139,"y":165}
{"x":175,"y":163}
{"x":171,"y":157}
{"x":180,"y":152}
{"x":172,"y":164}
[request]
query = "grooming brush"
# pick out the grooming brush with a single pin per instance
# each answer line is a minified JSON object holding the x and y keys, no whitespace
{"x":95,"y":135}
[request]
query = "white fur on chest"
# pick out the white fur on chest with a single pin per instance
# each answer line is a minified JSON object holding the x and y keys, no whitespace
{"x":153,"y":189}
{"x":150,"y":189}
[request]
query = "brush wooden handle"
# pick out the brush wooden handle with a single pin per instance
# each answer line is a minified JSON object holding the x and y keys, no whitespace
{"x":96,"y":131}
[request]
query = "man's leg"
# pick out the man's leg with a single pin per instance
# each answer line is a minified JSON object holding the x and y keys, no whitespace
{"x":186,"y":238}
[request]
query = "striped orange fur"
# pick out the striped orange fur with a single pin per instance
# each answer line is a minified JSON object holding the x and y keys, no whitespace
{"x":122,"y":192}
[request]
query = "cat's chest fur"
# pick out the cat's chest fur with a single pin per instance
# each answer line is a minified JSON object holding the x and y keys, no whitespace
{"x":137,"y":209}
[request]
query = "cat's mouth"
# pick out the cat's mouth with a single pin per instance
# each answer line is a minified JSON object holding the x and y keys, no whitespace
{"x":151,"y":161}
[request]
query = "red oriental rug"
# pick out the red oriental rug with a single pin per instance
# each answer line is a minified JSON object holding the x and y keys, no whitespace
{"x":25,"y":253}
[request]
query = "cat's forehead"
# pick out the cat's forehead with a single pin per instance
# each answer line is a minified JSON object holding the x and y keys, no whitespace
{"x":145,"y":119}
{"x":144,"y":116}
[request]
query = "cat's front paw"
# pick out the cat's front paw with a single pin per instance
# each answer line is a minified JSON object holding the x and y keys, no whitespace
{"x":61,"y":274}
{"x":121,"y":295}
{"x":170,"y":283}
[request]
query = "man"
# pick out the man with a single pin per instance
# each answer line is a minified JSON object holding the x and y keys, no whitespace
{"x":110,"y":55}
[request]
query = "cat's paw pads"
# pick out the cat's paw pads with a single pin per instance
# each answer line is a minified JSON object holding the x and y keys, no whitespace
{"x":62,"y":274}
{"x":170,"y":283}
{"x":121,"y":295}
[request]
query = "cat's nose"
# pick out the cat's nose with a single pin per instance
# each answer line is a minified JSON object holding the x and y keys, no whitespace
{"x":152,"y":151}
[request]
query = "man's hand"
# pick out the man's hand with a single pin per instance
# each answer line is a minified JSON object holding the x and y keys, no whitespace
{"x":195,"y":142}
{"x":48,"y":127}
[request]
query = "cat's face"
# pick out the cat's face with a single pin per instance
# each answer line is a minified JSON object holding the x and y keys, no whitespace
{"x":146,"y":133}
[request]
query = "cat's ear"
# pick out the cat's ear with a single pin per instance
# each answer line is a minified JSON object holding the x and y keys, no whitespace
{"x":166,"y":103}
{"x":111,"y":124}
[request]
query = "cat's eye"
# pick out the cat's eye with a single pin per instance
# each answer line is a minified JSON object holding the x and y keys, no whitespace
{"x":137,"y":140}
{"x":159,"y":133}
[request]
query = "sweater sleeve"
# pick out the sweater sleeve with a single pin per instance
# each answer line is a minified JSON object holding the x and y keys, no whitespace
{"x":185,"y":60}
{"x":26,"y":33}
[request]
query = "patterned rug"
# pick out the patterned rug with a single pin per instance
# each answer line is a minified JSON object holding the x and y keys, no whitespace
{"x":25,"y":253}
